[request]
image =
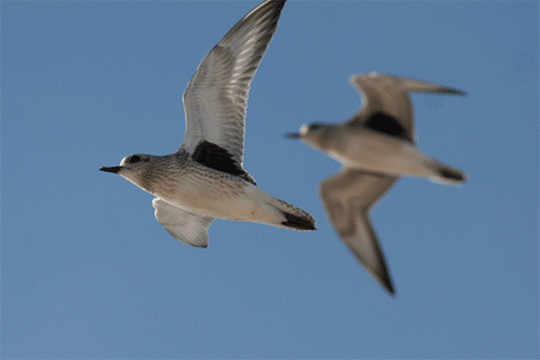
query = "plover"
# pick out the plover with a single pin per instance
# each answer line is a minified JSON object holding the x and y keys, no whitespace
{"x":205,"y":179}
{"x":376,"y":146}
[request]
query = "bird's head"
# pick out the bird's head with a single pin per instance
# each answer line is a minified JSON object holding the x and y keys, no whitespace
{"x":134,"y":168}
{"x":315,"y":134}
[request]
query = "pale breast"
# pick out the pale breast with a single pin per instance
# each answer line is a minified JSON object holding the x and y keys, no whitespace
{"x":368,"y":150}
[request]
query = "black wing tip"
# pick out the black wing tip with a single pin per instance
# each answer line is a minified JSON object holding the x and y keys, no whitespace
{"x":381,"y":274}
{"x":386,"y":282}
{"x":298,"y":223}
{"x":390,"y":288}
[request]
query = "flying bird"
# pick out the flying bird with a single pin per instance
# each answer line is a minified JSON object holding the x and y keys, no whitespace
{"x":205,"y":178}
{"x":376,"y":146}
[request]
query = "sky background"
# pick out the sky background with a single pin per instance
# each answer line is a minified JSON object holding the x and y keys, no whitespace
{"x":88,"y":272}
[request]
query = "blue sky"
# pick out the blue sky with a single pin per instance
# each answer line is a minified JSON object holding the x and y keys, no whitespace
{"x":88,"y":272}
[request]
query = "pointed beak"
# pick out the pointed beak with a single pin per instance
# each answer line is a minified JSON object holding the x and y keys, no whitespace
{"x":292,"y":135}
{"x":112,"y":169}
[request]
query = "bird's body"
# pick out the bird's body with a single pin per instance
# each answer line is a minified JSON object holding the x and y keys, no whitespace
{"x":205,"y":178}
{"x":376,"y":146}
{"x":195,"y":187}
{"x":374,"y":151}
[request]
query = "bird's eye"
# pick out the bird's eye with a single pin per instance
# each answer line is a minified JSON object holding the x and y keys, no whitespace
{"x":134,"y":159}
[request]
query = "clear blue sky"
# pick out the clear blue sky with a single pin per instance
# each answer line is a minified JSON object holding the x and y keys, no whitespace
{"x":88,"y":272}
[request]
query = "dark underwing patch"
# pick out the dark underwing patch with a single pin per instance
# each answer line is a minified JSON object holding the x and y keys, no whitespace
{"x":218,"y":158}
{"x":387,"y":124}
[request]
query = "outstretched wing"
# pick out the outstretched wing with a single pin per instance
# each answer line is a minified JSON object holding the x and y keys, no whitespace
{"x":215,"y":99}
{"x":189,"y":228}
{"x":386,"y":105}
{"x":347,"y":198}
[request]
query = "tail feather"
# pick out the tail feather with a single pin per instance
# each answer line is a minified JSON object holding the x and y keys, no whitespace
{"x":452,"y":175}
{"x":295,"y":218}
{"x":448,"y":174}
{"x":298,"y":223}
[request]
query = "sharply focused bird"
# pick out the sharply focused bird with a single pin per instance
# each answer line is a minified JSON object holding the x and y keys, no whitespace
{"x":376,"y":146}
{"x":205,"y":179}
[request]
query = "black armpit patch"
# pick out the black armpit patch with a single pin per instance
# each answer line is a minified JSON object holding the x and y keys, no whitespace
{"x":387,"y":124}
{"x":218,"y":158}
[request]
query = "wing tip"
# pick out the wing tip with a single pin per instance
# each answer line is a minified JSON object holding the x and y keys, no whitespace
{"x":413,"y":84}
{"x":386,"y":282}
{"x":381,"y":275}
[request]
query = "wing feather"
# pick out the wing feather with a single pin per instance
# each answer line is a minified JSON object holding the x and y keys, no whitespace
{"x":185,"y":226}
{"x":389,"y":95}
{"x":347,"y":198}
{"x":215,"y":99}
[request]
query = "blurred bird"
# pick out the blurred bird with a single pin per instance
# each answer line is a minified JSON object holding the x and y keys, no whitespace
{"x":376,"y":147}
{"x":205,"y":179}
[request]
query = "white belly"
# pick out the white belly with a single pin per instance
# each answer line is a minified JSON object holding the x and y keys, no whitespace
{"x":223,"y":197}
{"x":377,"y":152}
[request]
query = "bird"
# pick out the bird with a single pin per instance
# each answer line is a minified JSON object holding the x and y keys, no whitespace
{"x":376,"y":147}
{"x":205,"y":179}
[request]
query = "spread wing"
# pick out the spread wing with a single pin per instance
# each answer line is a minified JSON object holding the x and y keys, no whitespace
{"x":386,"y":105}
{"x":347,"y":198}
{"x":215,"y":99}
{"x":189,"y":228}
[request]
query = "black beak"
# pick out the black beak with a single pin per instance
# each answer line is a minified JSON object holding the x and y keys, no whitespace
{"x":112,"y":169}
{"x":292,"y":135}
